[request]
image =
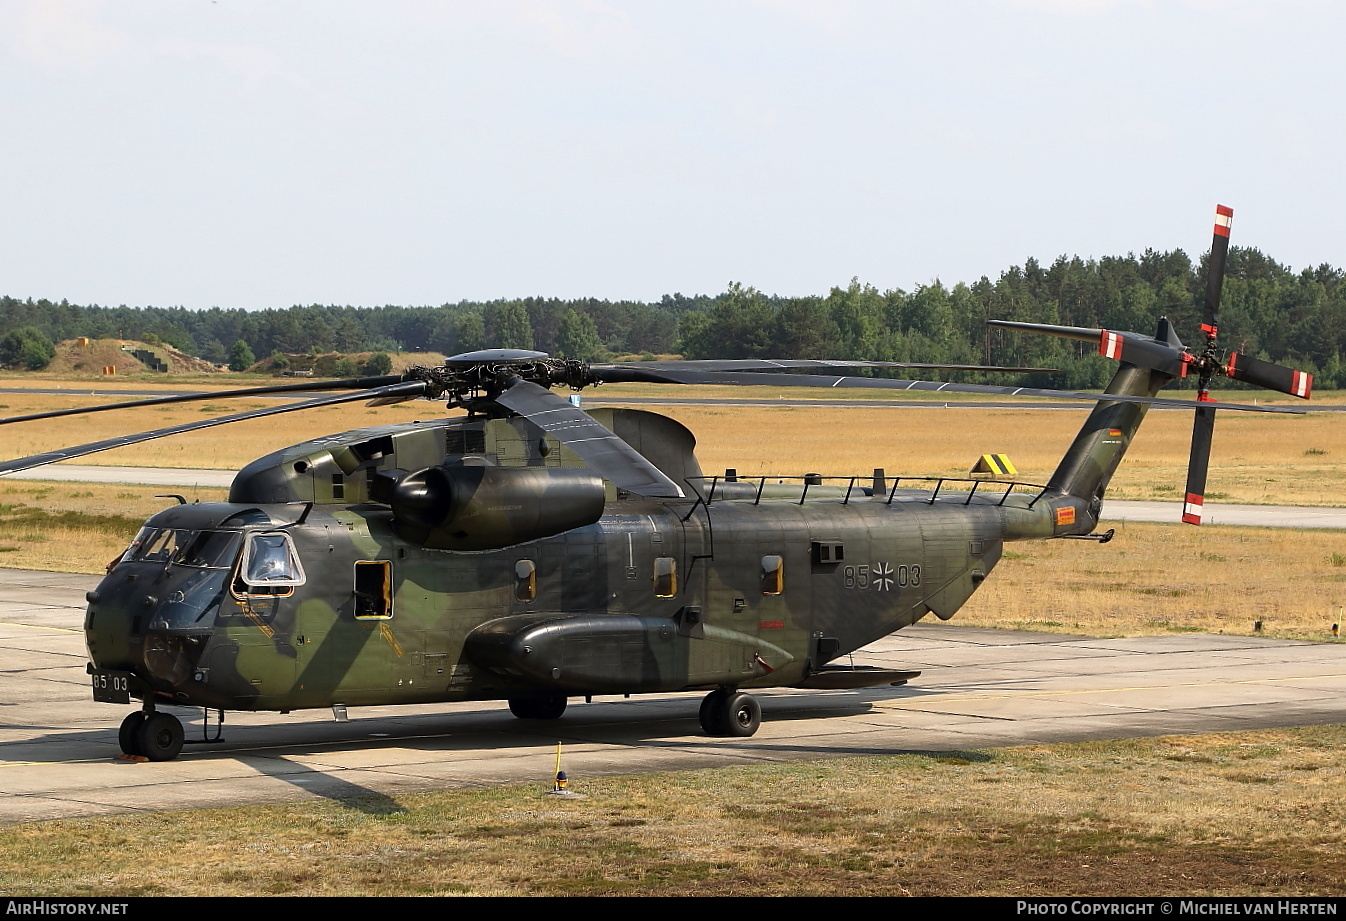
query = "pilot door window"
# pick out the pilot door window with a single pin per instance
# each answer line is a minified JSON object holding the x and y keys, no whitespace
{"x":270,"y":566}
{"x":373,"y":589}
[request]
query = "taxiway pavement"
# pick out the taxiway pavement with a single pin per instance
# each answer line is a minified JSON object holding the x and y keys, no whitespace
{"x":980,"y":688}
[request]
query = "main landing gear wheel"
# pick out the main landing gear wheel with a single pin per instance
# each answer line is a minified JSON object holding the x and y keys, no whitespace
{"x":128,"y":737}
{"x":538,"y":708}
{"x":160,"y":737}
{"x":730,"y":713}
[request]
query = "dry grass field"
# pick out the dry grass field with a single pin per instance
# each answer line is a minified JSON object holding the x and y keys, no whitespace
{"x":1221,"y":815}
{"x":1170,"y":578}
{"x":1214,"y":815}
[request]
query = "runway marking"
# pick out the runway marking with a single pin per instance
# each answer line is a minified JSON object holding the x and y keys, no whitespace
{"x":10,"y":623}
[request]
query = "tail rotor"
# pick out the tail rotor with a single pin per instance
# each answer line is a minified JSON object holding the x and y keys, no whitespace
{"x":1211,"y":363}
{"x":1207,"y":365}
{"x":1164,"y":355}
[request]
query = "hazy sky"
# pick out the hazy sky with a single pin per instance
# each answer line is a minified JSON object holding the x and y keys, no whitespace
{"x":262,"y":154}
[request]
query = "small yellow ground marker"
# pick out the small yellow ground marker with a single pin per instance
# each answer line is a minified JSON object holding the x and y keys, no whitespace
{"x":995,"y":465}
{"x":559,"y":787}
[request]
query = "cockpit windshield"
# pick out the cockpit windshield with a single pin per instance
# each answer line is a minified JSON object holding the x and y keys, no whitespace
{"x":185,"y":547}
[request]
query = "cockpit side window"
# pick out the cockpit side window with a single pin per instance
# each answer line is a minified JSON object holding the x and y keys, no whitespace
{"x":210,"y":550}
{"x":270,"y":561}
{"x":138,"y":544}
{"x":159,"y":545}
{"x":184,"y":547}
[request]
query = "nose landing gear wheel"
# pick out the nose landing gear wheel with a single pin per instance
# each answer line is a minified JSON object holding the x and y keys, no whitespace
{"x":730,"y":713}
{"x":128,"y":737}
{"x":160,"y":737}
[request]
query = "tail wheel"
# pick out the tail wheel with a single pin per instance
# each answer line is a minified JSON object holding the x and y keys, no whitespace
{"x":538,"y":708}
{"x":160,"y":737}
{"x":128,"y":737}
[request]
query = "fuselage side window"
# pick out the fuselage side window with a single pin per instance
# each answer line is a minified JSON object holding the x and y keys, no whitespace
{"x":665,"y":577}
{"x":525,"y":580}
{"x":373,"y":589}
{"x":773,"y":575}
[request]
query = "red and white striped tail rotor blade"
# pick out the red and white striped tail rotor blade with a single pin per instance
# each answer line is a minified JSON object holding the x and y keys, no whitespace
{"x":1273,"y":377}
{"x":1219,"y":252}
{"x":1194,"y":500}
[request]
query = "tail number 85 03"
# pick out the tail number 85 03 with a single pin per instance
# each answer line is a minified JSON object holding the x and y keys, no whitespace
{"x":111,"y":687}
{"x":883,"y":577}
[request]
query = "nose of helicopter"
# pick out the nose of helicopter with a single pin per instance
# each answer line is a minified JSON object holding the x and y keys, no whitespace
{"x":153,"y":624}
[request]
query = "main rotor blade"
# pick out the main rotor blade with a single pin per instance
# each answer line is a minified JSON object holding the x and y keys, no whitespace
{"x":350,"y":383}
{"x":603,"y":451}
{"x":51,"y":457}
{"x":1080,"y":333}
{"x":773,"y":364}
{"x":1203,"y":428}
{"x":814,"y":380}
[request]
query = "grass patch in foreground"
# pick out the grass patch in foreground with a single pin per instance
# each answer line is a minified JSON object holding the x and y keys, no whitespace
{"x":1224,"y":814}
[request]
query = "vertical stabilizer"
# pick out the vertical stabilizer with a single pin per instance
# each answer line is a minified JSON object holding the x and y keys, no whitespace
{"x":1148,"y":364}
{"x":1088,"y":466}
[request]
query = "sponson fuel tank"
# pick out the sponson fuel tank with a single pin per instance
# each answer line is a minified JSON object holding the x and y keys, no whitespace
{"x":623,"y":653}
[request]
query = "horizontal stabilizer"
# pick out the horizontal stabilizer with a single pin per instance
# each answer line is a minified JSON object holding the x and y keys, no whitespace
{"x":1137,"y":349}
{"x":1144,"y":352}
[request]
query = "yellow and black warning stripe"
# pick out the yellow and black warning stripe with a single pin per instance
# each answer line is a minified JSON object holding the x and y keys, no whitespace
{"x":997,"y":464}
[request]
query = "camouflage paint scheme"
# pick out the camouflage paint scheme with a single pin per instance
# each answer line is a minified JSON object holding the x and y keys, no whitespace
{"x":769,"y":581}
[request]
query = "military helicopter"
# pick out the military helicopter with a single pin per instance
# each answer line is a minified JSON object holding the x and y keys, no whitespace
{"x":533,"y":552}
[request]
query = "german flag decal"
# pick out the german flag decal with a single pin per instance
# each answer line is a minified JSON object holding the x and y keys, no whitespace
{"x":1065,"y":515}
